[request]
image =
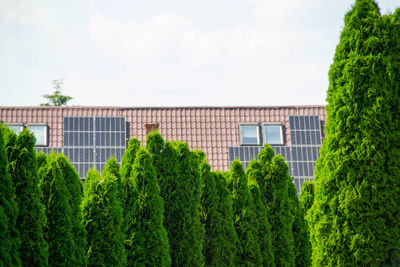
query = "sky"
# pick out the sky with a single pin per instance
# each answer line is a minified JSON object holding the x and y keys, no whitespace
{"x":170,"y":53}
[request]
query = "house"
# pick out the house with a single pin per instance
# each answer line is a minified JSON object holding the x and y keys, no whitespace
{"x":90,"y":135}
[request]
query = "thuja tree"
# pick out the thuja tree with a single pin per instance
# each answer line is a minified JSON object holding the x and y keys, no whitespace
{"x":185,"y":230}
{"x":263,"y":226}
{"x":224,"y":227}
{"x":102,"y":217}
{"x":248,"y":248}
{"x":302,"y":244}
{"x":217,"y":217}
{"x":149,"y":240}
{"x":356,"y":217}
{"x":9,"y":235}
{"x":75,"y":189}
{"x":31,"y":218}
{"x":272,"y":175}
{"x":126,"y":167}
{"x":307,"y":195}
{"x":112,"y":167}
{"x":58,"y":228}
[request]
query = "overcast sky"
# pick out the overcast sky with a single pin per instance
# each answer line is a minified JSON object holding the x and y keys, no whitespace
{"x":169,"y":53}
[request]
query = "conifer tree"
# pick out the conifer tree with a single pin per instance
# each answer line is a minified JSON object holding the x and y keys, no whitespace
{"x":148,"y":241}
{"x":31,"y":218}
{"x":248,"y":249}
{"x":58,"y":228}
{"x":302,"y":244}
{"x":272,"y":175}
{"x":355,"y":219}
{"x":75,"y":188}
{"x":9,"y":234}
{"x":263,"y":226}
{"x":217,"y":217}
{"x":188,"y":235}
{"x":112,"y":167}
{"x":126,"y":167}
{"x":102,"y":217}
{"x":307,"y":195}
{"x":225,"y":254}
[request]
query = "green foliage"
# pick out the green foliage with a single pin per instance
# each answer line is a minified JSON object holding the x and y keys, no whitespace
{"x":248,"y":248}
{"x":58,"y":228}
{"x":75,"y":188}
{"x":31,"y":218}
{"x":302,"y":244}
{"x":185,"y":230}
{"x":355,"y":219}
{"x":307,"y":195}
{"x":148,"y":241}
{"x":112,"y":167}
{"x":9,"y":234}
{"x":102,"y":217}
{"x":217,"y":217}
{"x":57,"y":99}
{"x":263,"y":226}
{"x":272,"y":175}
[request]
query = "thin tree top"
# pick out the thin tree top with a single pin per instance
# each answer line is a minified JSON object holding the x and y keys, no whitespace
{"x":57,"y":99}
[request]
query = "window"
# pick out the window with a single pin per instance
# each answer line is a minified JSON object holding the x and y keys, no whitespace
{"x":249,"y":134}
{"x":17,"y":128}
{"x":273,"y":134}
{"x":40,"y":132}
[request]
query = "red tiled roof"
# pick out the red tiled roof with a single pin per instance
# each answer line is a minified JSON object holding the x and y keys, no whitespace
{"x":212,"y":129}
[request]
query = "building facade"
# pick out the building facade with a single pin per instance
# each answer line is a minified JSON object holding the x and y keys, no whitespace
{"x":88,"y":136}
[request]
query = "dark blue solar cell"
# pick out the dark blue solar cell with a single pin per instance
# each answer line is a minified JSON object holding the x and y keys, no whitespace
{"x":311,"y":168}
{"x":318,"y":139}
{"x":288,"y":154}
{"x":304,"y":152}
{"x":299,"y":154}
{"x":103,"y":155}
{"x":236,"y":153}
{"x":117,"y":140}
{"x":74,"y":140}
{"x":76,"y":155}
{"x":108,"y":124}
{"x":295,"y":168}
{"x":296,"y":123}
{"x":75,"y":122}
{"x":293,"y":137}
{"x":301,"y":119}
{"x":317,"y":123}
{"x":301,"y":169}
{"x":309,"y":154}
{"x":294,"y":154}
{"x":298,"y":138}
{"x":81,"y":139}
{"x":98,"y":155}
{"x":107,"y":139}
{"x":66,"y":124}
{"x":291,"y":122}
{"x":117,"y":124}
{"x":122,"y":137}
{"x":123,"y":124}
{"x":112,"y":139}
{"x":305,"y":166}
{"x":307,"y":122}
{"x":308,"y":137}
{"x":245,"y":152}
{"x":312,"y":123}
{"x":97,"y":124}
{"x":241,"y":154}
{"x":66,"y":139}
{"x":230,"y":153}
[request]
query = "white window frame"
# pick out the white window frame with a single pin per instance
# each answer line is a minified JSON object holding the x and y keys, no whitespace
{"x":281,"y":132}
{"x":241,"y":135}
{"x":21,"y":125}
{"x":46,"y":136}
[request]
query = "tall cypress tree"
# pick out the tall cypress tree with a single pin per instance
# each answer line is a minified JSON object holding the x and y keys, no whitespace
{"x":75,"y":188}
{"x":302,"y":244}
{"x":9,"y":234}
{"x":31,"y":218}
{"x":149,"y":240}
{"x":249,"y":253}
{"x":225,"y":254}
{"x":112,"y":167}
{"x":56,"y":199}
{"x":263,"y":226}
{"x":356,"y":217}
{"x":102,"y":217}
{"x":217,"y":217}
{"x":272,"y":175}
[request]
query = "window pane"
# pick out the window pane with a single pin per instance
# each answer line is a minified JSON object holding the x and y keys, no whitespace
{"x":249,"y":134}
{"x":39,"y":131}
{"x":273,"y":134}
{"x":16,"y":128}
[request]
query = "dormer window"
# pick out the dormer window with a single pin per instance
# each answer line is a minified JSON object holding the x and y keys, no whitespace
{"x":273,"y":134}
{"x":249,"y":134}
